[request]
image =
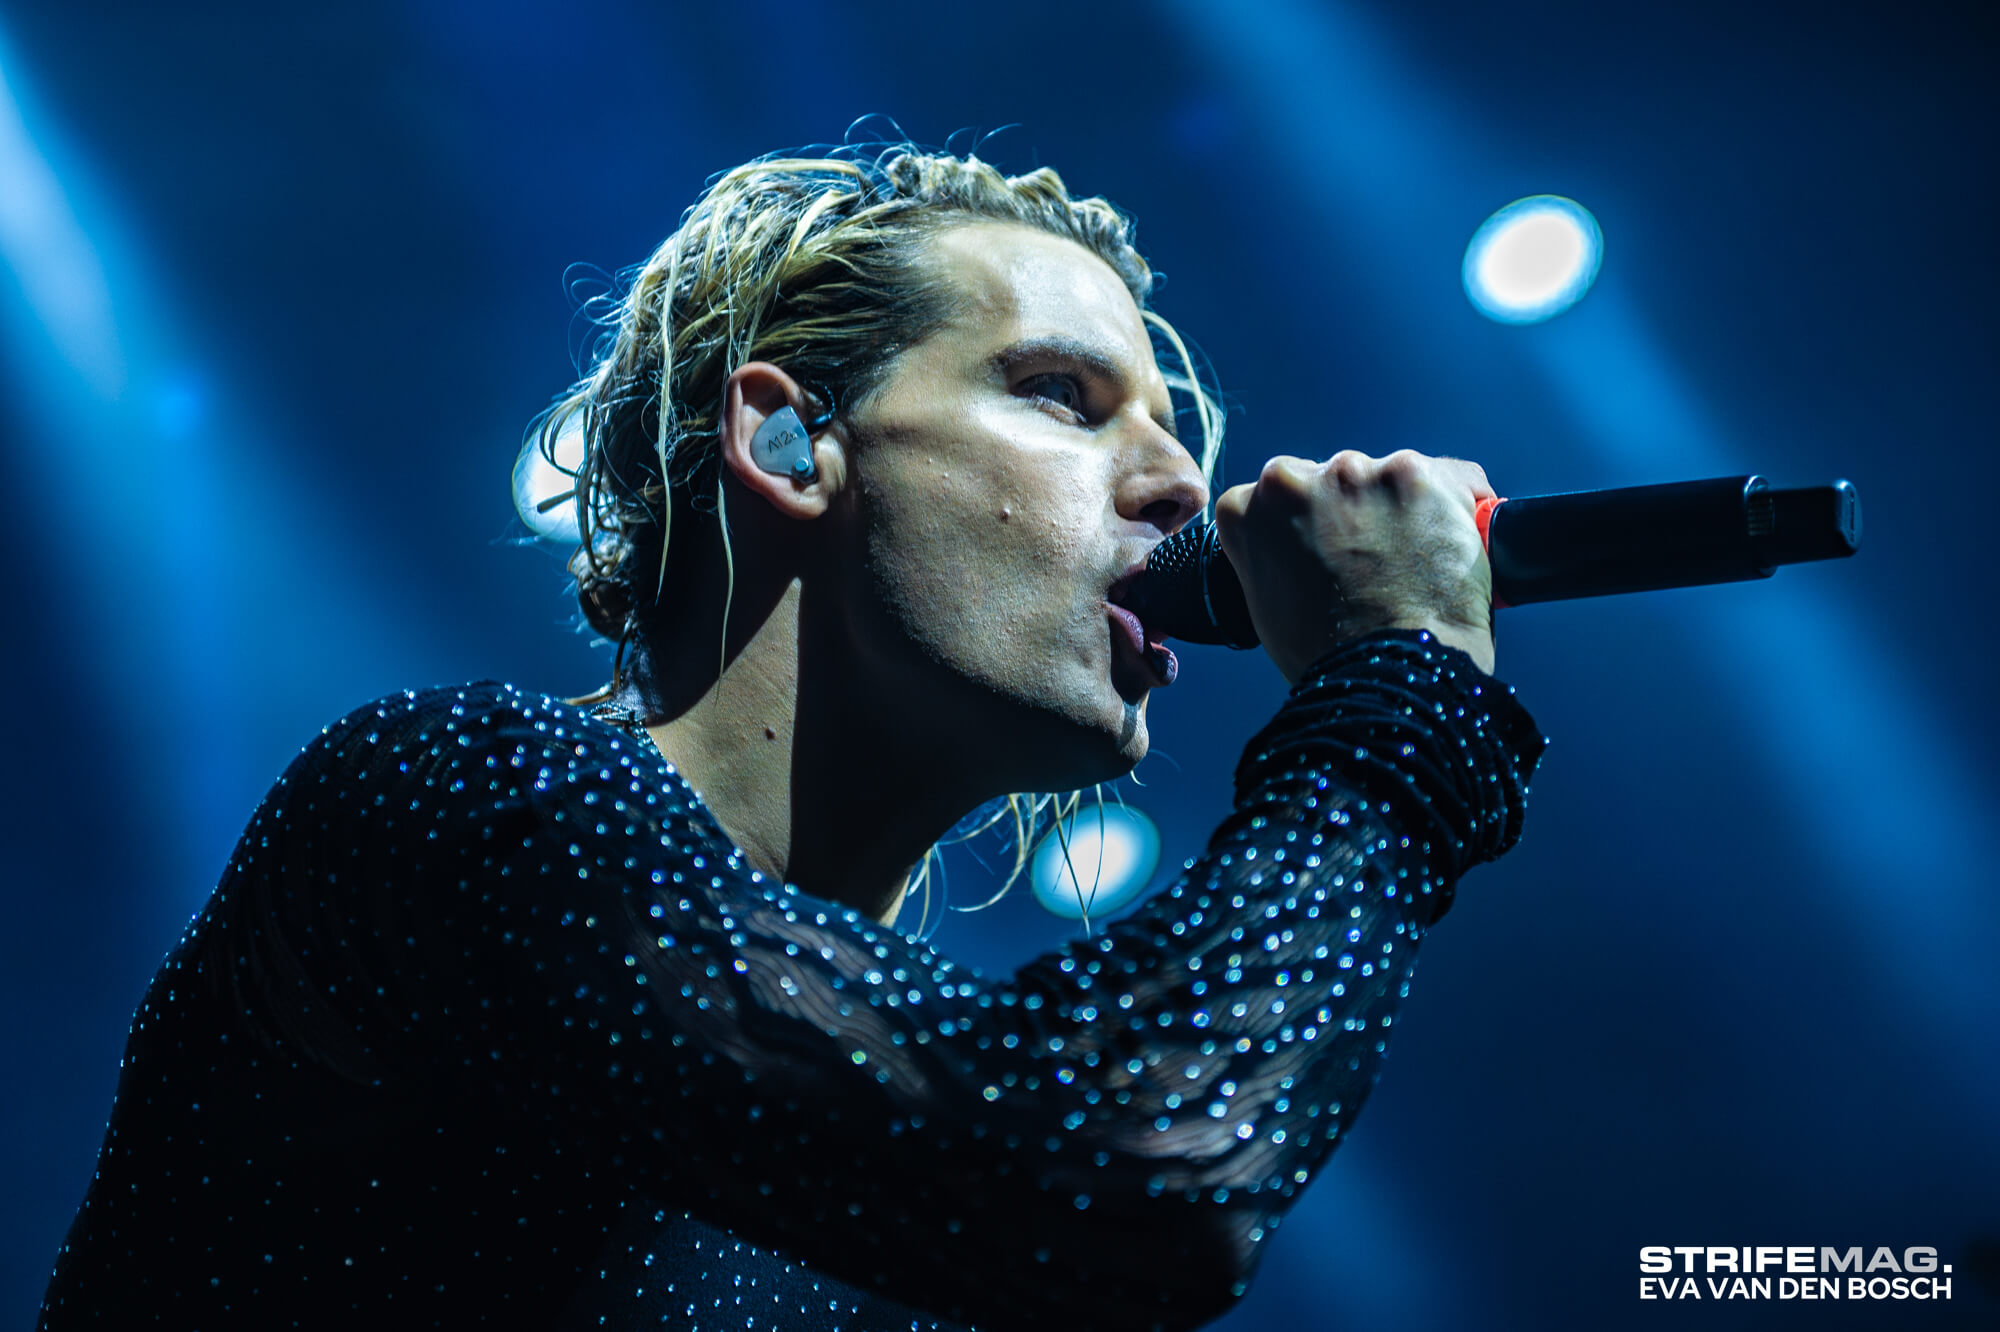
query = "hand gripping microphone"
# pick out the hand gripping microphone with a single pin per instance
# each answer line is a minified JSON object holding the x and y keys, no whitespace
{"x":1590,"y":543}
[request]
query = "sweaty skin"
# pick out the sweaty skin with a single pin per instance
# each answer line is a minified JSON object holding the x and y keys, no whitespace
{"x":927,"y":626}
{"x":1041,"y":400}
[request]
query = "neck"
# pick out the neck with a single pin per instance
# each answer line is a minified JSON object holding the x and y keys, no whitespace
{"x":812,"y":777}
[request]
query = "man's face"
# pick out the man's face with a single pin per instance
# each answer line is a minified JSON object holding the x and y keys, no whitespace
{"x":1014,"y":470}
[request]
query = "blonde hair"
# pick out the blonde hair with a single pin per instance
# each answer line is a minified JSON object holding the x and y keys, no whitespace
{"x":814,"y":264}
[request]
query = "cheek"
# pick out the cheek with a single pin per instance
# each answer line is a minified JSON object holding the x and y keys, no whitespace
{"x":989,"y":505}
{"x":988,"y":560}
{"x":1030,"y":544}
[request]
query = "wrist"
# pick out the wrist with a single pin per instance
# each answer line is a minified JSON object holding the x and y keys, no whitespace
{"x":1476,"y":643}
{"x":1402,"y":706}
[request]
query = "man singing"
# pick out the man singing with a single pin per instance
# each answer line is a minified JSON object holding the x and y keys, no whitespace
{"x":538,"y":1014}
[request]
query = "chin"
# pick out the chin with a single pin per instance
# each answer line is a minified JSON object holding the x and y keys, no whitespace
{"x":1055,"y":731}
{"x":1135,"y":741}
{"x":1039,"y":748}
{"x":1105,"y":748}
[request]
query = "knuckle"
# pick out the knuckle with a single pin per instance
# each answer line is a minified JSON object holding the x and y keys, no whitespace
{"x":1285,"y":477}
{"x":1350,"y":467}
{"x":1404,"y":465}
{"x":1466,"y":468}
{"x":1406,"y":473}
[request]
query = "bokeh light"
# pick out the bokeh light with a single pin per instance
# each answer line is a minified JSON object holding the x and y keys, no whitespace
{"x":1113,"y":851}
{"x":1533,"y":259}
{"x":538,"y":482}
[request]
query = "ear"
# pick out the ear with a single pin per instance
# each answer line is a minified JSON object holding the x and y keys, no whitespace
{"x":750,"y":397}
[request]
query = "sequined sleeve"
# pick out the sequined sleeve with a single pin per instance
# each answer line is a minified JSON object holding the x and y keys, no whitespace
{"x":1104,"y":1139}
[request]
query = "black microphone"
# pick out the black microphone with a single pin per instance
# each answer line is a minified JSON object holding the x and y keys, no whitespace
{"x":1590,"y":543}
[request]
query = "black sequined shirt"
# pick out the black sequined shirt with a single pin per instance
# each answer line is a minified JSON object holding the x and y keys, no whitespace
{"x":489,"y":1022}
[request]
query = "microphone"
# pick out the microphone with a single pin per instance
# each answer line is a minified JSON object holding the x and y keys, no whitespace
{"x":1589,"y":543}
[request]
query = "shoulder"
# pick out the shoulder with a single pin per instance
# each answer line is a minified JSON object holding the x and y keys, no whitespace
{"x":444,"y":721}
{"x":456,"y":709}
{"x":483,"y":745}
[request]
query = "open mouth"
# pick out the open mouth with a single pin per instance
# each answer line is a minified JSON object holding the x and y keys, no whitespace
{"x":1130,"y":637}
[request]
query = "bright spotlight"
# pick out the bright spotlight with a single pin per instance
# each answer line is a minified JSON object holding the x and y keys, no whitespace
{"x":1533,"y":259}
{"x":1109,"y":862}
{"x":537,"y":482}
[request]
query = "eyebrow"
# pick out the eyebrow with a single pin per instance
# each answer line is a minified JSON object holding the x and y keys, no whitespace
{"x":1089,"y":356}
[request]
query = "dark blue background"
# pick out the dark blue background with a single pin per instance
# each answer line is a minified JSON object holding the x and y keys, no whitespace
{"x":279,"y":290}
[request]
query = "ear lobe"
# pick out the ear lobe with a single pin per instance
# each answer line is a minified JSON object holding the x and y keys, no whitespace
{"x":767,"y":445}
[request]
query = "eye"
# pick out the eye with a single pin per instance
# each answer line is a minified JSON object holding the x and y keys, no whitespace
{"x":1058,"y":390}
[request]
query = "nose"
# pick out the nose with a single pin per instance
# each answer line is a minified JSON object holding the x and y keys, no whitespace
{"x":1160,"y":484}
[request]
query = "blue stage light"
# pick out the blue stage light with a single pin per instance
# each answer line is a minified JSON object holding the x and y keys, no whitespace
{"x":1533,"y":259}
{"x":537,"y":481}
{"x":1112,"y":854}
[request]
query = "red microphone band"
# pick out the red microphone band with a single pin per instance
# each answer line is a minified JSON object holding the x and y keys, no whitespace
{"x":1483,"y":516}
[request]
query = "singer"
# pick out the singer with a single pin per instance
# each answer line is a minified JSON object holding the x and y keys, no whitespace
{"x":546,"y":1014}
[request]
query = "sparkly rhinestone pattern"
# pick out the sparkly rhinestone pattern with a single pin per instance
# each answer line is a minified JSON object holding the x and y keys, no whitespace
{"x":488,"y":1022}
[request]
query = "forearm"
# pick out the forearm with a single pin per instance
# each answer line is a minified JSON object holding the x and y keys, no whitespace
{"x":1255,"y":996}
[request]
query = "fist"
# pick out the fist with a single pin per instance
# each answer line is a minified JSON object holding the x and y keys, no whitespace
{"x":1335,"y":550}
